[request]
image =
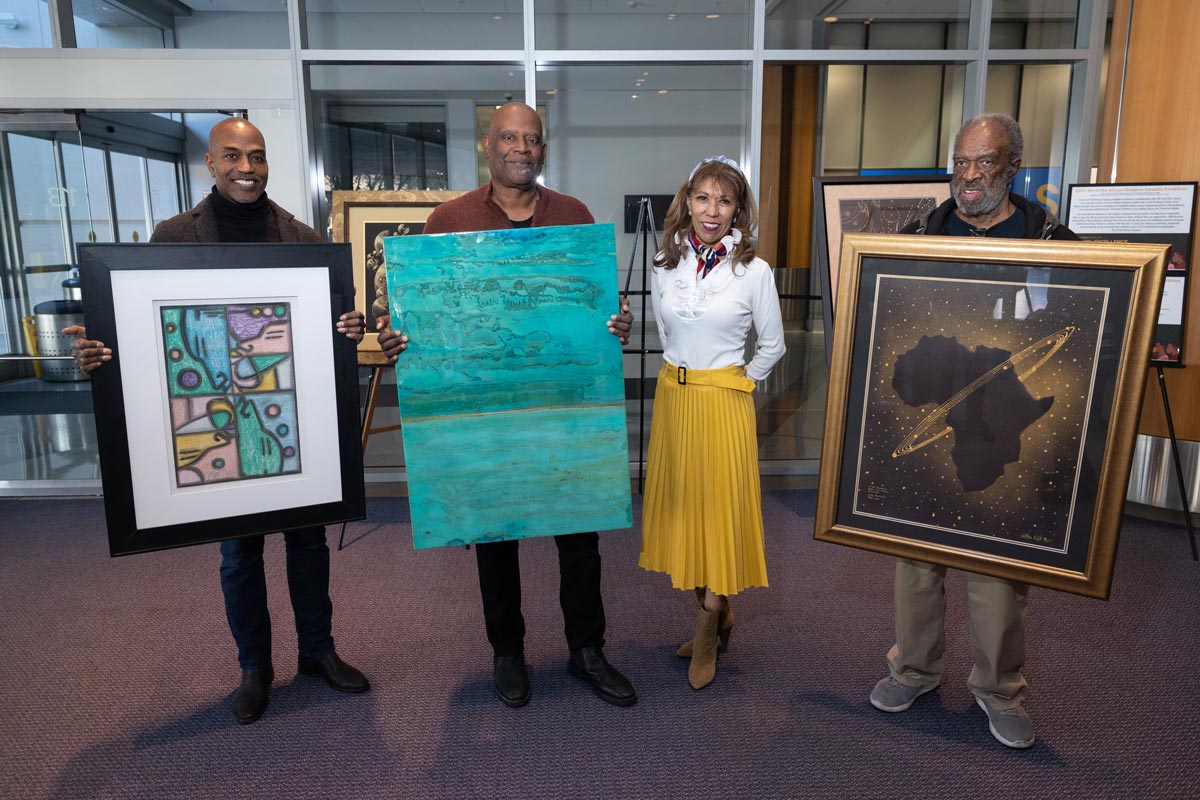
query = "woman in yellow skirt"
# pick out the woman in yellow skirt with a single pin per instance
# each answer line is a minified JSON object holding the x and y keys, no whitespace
{"x":702,"y":514}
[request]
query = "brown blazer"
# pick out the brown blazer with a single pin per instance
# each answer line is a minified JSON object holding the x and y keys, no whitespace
{"x":200,"y":225}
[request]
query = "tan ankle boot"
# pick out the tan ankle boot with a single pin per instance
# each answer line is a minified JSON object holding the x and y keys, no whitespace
{"x":724,"y":631}
{"x":704,"y":651}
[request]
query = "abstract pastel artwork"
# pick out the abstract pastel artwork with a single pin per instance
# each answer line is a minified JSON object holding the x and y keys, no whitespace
{"x":511,"y":389}
{"x":231,"y":391}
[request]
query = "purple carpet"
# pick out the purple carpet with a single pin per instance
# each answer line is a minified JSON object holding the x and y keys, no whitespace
{"x":120,"y":673}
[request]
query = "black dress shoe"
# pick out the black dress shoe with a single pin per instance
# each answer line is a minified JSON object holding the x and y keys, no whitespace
{"x":589,"y":664}
{"x":337,"y":673}
{"x":511,"y":680}
{"x":250,"y":699}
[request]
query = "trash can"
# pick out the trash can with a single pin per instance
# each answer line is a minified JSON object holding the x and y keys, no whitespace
{"x":51,"y":317}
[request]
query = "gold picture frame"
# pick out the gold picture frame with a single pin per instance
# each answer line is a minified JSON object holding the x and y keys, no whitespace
{"x":1006,"y":453}
{"x":363,"y":218}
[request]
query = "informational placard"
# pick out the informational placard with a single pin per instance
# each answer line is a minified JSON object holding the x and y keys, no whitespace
{"x":1160,"y":213}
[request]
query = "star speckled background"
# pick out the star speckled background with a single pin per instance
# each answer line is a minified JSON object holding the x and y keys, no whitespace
{"x":1030,"y":503}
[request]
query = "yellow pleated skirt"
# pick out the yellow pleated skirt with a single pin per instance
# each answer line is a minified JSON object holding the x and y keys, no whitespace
{"x":702,"y":508}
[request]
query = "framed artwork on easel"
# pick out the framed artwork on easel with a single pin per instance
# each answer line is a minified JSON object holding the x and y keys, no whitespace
{"x":365,"y":219}
{"x":1145,"y":212}
{"x":865,"y":204}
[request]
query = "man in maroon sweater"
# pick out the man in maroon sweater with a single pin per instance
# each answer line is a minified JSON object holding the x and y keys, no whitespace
{"x":514,"y":199}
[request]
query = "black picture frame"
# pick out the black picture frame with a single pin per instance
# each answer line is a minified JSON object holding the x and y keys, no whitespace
{"x":829,"y":190}
{"x":135,"y":507}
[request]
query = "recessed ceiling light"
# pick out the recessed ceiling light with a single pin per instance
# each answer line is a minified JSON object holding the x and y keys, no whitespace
{"x":633,"y":97}
{"x":498,"y":17}
{"x":830,"y":19}
{"x":552,"y":91}
{"x":712,"y":16}
{"x":670,"y":17}
{"x":645,"y":74}
{"x":662,"y":91}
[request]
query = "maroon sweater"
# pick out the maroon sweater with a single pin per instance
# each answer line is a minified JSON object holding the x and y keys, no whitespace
{"x":475,"y":211}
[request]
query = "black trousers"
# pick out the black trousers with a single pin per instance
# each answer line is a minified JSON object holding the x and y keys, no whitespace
{"x":578,"y":592}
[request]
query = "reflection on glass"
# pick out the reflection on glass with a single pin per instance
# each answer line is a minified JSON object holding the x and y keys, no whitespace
{"x":25,"y":23}
{"x":384,"y":148}
{"x":129,"y":189}
{"x":1036,"y":96}
{"x":164,"y":190}
{"x":87,"y":186}
{"x":417,"y":134}
{"x":890,"y":117}
{"x":1034,"y":25}
{"x":105,"y":25}
{"x":427,"y":26}
{"x":805,"y":25}
{"x":39,"y":200}
{"x":559,"y":25}
{"x":256,"y":25}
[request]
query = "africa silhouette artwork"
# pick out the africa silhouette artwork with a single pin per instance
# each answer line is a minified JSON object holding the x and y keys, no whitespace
{"x":986,"y":413}
{"x":976,"y":405}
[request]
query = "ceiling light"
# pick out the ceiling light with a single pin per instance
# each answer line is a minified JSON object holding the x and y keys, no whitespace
{"x":498,"y":17}
{"x":552,"y":91}
{"x":670,"y":17}
{"x":645,"y":74}
{"x":662,"y":91}
{"x":830,"y":19}
{"x":633,"y":97}
{"x":712,"y":16}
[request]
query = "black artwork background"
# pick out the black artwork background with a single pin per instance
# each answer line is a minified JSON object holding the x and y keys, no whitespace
{"x":882,"y":214}
{"x":919,"y":494}
{"x":374,"y":275}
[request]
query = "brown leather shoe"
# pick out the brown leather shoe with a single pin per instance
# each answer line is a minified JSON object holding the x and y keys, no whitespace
{"x":337,"y":673}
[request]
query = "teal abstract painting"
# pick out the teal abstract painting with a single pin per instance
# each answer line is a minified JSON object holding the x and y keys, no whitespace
{"x":512,"y":395}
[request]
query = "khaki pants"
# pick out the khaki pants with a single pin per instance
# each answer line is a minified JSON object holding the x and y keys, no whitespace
{"x":998,"y":611}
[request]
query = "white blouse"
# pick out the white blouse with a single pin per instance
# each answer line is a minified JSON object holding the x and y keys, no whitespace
{"x":704,"y":323}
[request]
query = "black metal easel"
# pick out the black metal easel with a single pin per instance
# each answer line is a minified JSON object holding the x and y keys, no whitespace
{"x":649,"y":235}
{"x":1183,"y":493}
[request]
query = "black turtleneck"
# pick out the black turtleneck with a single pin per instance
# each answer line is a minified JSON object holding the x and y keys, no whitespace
{"x":242,"y":222}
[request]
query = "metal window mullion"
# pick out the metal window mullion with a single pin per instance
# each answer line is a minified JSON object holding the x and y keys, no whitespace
{"x":62,"y":24}
{"x":14,"y":278}
{"x":183,"y":188}
{"x":111,"y":193}
{"x":756,"y":95}
{"x":301,"y":91}
{"x":64,"y":210}
{"x":979,"y":35}
{"x":1083,"y":104}
{"x":529,"y":27}
{"x":148,"y":207}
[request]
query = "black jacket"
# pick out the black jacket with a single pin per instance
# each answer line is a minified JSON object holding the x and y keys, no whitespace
{"x":1039,"y":223}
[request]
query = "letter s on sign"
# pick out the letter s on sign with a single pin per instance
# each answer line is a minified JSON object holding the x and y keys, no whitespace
{"x":1043,"y":196}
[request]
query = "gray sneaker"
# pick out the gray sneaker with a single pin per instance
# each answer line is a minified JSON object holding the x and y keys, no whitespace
{"x":1011,"y":726}
{"x":893,"y":696}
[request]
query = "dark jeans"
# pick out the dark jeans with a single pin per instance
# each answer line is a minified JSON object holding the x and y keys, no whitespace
{"x":578,"y":592}
{"x":245,"y":586}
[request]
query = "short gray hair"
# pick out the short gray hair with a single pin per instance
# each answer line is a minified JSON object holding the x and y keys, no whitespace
{"x":1012,"y":131}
